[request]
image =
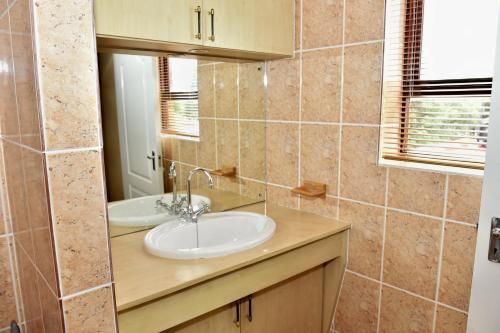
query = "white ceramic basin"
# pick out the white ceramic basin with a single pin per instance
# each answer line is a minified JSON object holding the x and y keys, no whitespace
{"x":218,"y":234}
{"x":140,"y":212}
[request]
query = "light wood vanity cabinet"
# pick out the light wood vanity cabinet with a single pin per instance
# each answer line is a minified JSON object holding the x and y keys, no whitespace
{"x":252,"y":29}
{"x":293,"y":306}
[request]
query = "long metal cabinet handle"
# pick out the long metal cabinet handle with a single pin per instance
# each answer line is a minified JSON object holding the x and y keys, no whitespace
{"x":237,"y":320}
{"x":211,"y":12}
{"x":249,"y":316}
{"x":197,"y":10}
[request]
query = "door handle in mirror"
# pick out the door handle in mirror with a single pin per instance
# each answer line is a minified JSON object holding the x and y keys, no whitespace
{"x":153,"y":159}
{"x":494,"y":249}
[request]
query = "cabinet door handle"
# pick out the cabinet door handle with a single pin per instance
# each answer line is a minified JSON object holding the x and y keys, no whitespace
{"x":197,"y":10}
{"x":237,"y":320}
{"x":211,"y":12}
{"x":249,"y":315}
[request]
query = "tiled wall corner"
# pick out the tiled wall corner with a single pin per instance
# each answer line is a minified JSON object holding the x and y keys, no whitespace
{"x":412,"y":242}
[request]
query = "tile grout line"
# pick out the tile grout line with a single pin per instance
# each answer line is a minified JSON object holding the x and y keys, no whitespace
{"x":86,"y":291}
{"x":382,"y":254}
{"x":238,"y":123}
{"x":441,"y":249}
{"x":340,"y":46}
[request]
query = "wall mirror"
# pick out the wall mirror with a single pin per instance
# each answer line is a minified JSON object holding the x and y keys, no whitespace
{"x":165,"y":116}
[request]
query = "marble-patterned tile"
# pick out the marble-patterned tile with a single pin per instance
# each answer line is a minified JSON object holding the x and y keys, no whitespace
{"x":362,"y":84}
{"x":8,"y":308}
{"x":51,"y":308}
{"x":229,"y":184}
{"x":457,"y":265}
{"x":226,"y":90}
{"x":68,"y":73}
{"x":283,"y":77}
{"x":253,"y":150}
{"x":320,"y":206}
{"x":365,"y":237}
{"x":227,"y":143}
{"x":206,"y":97}
{"x":9,"y":121}
{"x":319,"y":155}
{"x":78,"y":205}
{"x":364,"y":20}
{"x":253,"y":189}
{"x":90,"y":312}
{"x":412,"y":246}
{"x":25,"y":77}
{"x":322,"y":23}
{"x":282,"y":197}
{"x":187,"y":151}
{"x":252,"y":91}
{"x":207,"y":145}
{"x":464,"y":198}
{"x":450,"y":321}
{"x":321,"y":93}
{"x":282,"y":154}
{"x":360,"y":177}
{"x":403,"y":313}
{"x":358,"y":305}
{"x":417,"y":191}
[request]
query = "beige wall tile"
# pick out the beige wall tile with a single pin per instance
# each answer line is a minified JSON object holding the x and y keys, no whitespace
{"x":365,"y":237}
{"x":321,"y":23}
{"x":91,"y":312}
{"x":320,"y":156}
{"x":412,"y":245}
{"x":282,"y":154}
{"x":68,"y":73}
{"x":253,"y":189}
{"x":226,"y":90}
{"x":362,"y":84}
{"x":457,"y":266}
{"x":207,"y":145}
{"x":417,"y":191}
{"x":8,"y":308}
{"x":357,"y":309}
{"x":364,"y":20}
{"x":450,"y":321}
{"x":464,"y":198}
{"x":78,"y":205}
{"x":281,"y":197}
{"x":253,"y":150}
{"x":206,"y":96}
{"x":404,"y":313}
{"x":9,"y":124}
{"x":321,"y":93}
{"x":320,"y":206}
{"x":187,"y":151}
{"x":51,"y":310}
{"x":252,"y":91}
{"x":227,"y":143}
{"x":283,"y":89}
{"x":360,"y":178}
{"x":230,"y":184}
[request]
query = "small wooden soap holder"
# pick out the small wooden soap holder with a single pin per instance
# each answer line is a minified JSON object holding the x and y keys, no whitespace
{"x":311,"y":189}
{"x":224,"y":172}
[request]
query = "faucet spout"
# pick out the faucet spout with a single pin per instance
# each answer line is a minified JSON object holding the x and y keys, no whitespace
{"x":191,"y":215}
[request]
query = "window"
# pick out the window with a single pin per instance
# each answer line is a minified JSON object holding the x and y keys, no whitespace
{"x":179,"y":96}
{"x":438,"y":68}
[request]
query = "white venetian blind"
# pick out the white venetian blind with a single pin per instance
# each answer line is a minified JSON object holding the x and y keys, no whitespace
{"x":179,"y":96}
{"x":438,"y":67}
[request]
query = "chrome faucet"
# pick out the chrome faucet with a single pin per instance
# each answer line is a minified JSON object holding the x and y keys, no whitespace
{"x":175,"y":206}
{"x":189,"y":214}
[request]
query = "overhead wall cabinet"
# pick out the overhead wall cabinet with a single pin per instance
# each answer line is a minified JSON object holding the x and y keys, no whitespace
{"x":247,"y":29}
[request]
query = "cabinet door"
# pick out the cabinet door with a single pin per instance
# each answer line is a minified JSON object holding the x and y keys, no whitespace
{"x":174,"y":21}
{"x":293,"y":306}
{"x":264,"y":26}
{"x":217,"y":321}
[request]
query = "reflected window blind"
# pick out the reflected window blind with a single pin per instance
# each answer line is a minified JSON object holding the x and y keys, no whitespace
{"x":436,"y":82}
{"x":179,"y":96}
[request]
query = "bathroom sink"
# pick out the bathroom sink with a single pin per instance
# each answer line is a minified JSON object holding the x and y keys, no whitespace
{"x":140,"y":212}
{"x":218,"y":234}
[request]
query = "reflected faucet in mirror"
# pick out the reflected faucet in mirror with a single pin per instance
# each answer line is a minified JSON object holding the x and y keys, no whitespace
{"x":175,"y":206}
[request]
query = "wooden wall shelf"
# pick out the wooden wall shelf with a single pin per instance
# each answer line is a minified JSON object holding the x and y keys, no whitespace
{"x":224,"y":172}
{"x":311,"y":189}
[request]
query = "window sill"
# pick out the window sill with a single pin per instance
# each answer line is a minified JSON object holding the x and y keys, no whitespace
{"x":430,"y":167}
{"x":180,"y":137}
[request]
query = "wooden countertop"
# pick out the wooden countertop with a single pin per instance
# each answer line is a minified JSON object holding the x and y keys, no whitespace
{"x":141,"y":277}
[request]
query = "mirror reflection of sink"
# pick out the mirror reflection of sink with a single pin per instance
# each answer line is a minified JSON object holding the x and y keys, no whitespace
{"x":218,"y":234}
{"x":140,"y":212}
